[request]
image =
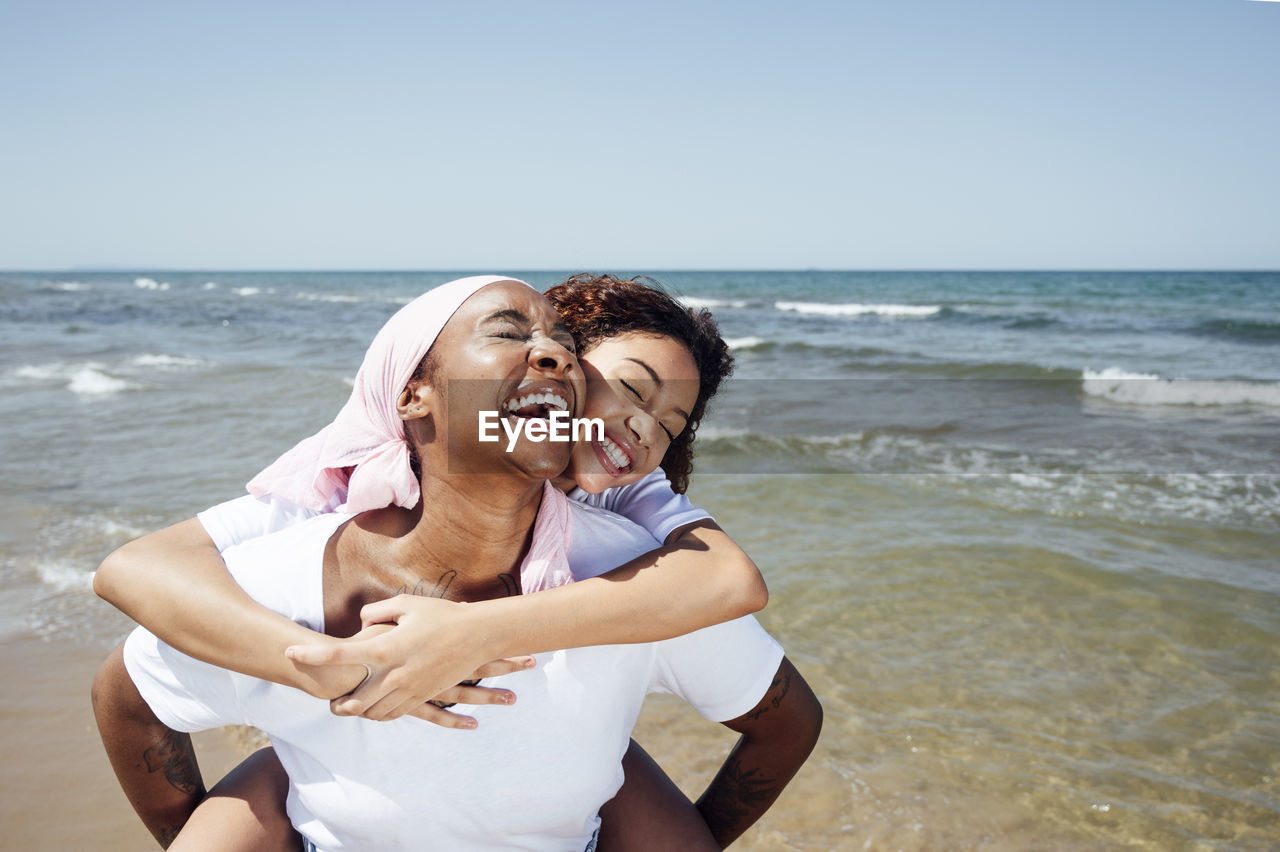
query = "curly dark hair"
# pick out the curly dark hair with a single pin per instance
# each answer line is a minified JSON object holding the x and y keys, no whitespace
{"x":596,"y":307}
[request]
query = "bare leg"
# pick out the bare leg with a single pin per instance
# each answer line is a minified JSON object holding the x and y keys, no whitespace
{"x":650,"y":812}
{"x":244,"y":812}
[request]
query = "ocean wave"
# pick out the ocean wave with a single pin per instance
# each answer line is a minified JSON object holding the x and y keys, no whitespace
{"x":858,"y":309}
{"x":69,"y":286}
{"x":210,"y":285}
{"x":42,"y":372}
{"x":75,"y":544}
{"x":251,"y":291}
{"x":150,"y":284}
{"x":1058,"y":484}
{"x":1236,"y":500}
{"x":1117,"y":385}
{"x":340,"y":298}
{"x":1238,"y":330}
{"x":165,"y":361}
{"x":86,"y":379}
{"x":876,"y":451}
{"x":978,"y":371}
{"x":65,"y":576}
{"x":702,"y":302}
{"x":745,"y":342}
{"x":1032,"y":323}
{"x":90,"y":382}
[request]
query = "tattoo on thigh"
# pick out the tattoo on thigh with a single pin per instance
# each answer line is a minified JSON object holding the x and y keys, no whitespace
{"x":174,"y":755}
{"x":773,"y":698}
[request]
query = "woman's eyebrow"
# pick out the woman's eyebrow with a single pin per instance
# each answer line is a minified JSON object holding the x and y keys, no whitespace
{"x":657,"y":381}
{"x":515,"y":316}
{"x":509,"y":314}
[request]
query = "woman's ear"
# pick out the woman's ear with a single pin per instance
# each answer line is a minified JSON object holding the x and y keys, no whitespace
{"x":414,"y":401}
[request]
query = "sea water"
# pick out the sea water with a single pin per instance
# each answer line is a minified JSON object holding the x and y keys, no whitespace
{"x":1020,"y":528}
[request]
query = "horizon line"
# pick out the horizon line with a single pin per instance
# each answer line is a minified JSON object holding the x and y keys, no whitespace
{"x":489,"y":270}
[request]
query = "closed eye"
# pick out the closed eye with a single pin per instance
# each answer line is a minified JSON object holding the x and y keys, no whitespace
{"x":670,"y":437}
{"x":633,"y":390}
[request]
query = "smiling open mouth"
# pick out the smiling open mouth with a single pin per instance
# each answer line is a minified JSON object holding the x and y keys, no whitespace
{"x":536,"y":406}
{"x":616,"y":460}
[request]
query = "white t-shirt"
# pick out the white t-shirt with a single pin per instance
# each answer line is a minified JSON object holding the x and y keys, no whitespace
{"x":648,"y":501}
{"x":532,"y":777}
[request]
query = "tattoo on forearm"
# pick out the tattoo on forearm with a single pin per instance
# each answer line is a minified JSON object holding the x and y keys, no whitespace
{"x":736,"y":797}
{"x":174,"y":755}
{"x":773,"y":698}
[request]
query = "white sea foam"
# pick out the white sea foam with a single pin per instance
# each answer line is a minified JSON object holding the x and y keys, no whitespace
{"x":1118,"y":385}
{"x":92,"y":377}
{"x":90,"y":382}
{"x":855,"y":309}
{"x":45,"y":372}
{"x":164,"y":361}
{"x":745,"y":342}
{"x":150,"y":284}
{"x":69,"y":286}
{"x":329,"y":297}
{"x":1235,"y":499}
{"x":246,"y":291}
{"x":65,"y":576}
{"x":86,"y":378}
{"x":210,"y":285}
{"x":701,"y":302}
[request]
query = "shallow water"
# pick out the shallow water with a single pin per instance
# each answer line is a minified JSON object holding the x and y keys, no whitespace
{"x":1037,"y":594}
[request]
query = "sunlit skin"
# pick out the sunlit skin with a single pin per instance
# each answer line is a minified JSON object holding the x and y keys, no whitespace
{"x":642,"y":386}
{"x":508,"y":352}
{"x":506,"y":341}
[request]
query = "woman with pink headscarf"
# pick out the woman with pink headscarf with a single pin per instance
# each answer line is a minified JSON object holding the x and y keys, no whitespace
{"x":361,"y":461}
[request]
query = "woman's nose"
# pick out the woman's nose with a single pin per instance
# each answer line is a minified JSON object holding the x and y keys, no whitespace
{"x":552,"y":357}
{"x":642,"y":426}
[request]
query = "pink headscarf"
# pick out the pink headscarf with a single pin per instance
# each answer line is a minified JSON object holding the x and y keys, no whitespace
{"x":546,"y":565}
{"x":367,"y":434}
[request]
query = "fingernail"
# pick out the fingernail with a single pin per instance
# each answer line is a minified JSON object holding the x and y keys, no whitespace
{"x":530,"y":663}
{"x":509,"y":698}
{"x":470,"y":724}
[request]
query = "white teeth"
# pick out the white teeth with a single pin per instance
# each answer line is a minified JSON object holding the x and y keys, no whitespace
{"x":549,"y":399}
{"x":615,"y":453}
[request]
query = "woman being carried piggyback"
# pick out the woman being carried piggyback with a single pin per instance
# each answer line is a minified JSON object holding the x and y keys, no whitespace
{"x":651,"y":365}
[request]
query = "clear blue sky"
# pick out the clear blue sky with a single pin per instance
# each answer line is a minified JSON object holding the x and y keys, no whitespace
{"x":655,"y":135}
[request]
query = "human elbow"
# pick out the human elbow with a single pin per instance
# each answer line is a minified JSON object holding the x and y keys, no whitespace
{"x":813,"y":722}
{"x":106,"y":580}
{"x":750,"y":593}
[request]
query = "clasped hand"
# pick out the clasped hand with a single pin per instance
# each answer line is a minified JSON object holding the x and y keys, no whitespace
{"x":416,"y":652}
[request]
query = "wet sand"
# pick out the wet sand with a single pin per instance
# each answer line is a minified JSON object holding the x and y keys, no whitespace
{"x":58,"y":789}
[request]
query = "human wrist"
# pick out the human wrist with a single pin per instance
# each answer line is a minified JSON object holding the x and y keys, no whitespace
{"x":329,"y":681}
{"x":492,"y":629}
